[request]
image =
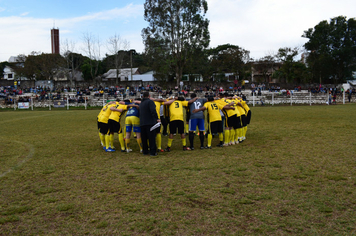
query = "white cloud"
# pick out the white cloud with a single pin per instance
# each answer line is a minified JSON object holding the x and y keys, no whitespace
{"x":26,"y":34}
{"x":261,"y":26}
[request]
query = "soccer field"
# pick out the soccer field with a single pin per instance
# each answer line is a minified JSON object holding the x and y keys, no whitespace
{"x":294,"y":174}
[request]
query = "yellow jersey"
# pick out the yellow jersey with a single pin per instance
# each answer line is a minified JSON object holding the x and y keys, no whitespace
{"x":224,"y":102}
{"x":176,"y":110}
{"x":240,"y":110}
{"x":158,"y":107}
{"x":116,"y":115}
{"x":214,"y":110}
{"x":104,"y":117}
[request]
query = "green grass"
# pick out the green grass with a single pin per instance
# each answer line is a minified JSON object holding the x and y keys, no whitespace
{"x":295,"y":174}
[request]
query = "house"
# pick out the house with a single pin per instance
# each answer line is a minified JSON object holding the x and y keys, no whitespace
{"x":229,"y":77}
{"x":262,"y":71}
{"x":9,"y":72}
{"x":192,"y":77}
{"x":65,"y":75}
{"x":146,"y":77}
{"x":124,"y":74}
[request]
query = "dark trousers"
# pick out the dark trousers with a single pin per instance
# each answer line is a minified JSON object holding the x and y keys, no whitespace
{"x":147,"y":135}
{"x":164,"y":124}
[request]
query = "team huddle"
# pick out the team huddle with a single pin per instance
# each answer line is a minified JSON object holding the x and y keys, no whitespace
{"x":227,"y":116}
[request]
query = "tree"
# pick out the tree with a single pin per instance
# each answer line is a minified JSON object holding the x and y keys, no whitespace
{"x":93,"y":64}
{"x":199,"y":64}
{"x":74,"y":60}
{"x":44,"y":66}
{"x":38,"y":66}
{"x":116,"y":44}
{"x":229,"y":58}
{"x":332,"y":49}
{"x":176,"y":29}
{"x":290,"y":70}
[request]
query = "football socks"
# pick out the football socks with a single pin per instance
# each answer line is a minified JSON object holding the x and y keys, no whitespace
{"x":122,"y":142}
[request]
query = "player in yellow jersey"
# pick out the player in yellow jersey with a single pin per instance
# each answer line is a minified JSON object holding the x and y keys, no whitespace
{"x":247,"y":116}
{"x":215,"y":121}
{"x":230,"y":118}
{"x":238,"y":128}
{"x":176,"y":116}
{"x":114,"y":125}
{"x":159,"y":103}
{"x":132,"y":123}
{"x":101,"y":136}
{"x":104,"y":125}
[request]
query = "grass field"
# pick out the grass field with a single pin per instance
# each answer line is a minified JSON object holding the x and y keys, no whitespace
{"x":294,"y":174}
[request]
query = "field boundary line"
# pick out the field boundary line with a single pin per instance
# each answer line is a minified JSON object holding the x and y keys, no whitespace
{"x":28,"y":157}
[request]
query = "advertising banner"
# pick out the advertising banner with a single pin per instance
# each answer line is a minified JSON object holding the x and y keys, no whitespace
{"x":23,"y":105}
{"x":59,"y":104}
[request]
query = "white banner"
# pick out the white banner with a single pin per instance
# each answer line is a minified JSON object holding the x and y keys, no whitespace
{"x":23,"y":105}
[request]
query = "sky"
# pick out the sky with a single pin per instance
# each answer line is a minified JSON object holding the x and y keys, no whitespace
{"x":259,"y":26}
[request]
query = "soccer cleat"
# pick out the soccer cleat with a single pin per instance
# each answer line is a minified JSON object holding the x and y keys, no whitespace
{"x":160,"y":150}
{"x":109,"y":150}
{"x":220,"y":145}
{"x":128,"y":150}
{"x":124,"y":150}
{"x":168,"y":149}
{"x":225,"y":145}
{"x":153,"y":155}
{"x":185,"y":148}
{"x":191,"y":148}
{"x":208,"y":147}
{"x":232,"y":143}
{"x":202,"y":147}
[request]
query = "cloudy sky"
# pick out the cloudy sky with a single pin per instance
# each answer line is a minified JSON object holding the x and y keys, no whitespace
{"x":260,"y":26}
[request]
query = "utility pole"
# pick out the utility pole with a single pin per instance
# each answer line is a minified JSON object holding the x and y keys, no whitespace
{"x":131,"y":62}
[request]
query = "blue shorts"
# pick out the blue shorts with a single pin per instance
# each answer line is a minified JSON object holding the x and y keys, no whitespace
{"x":193,"y":123}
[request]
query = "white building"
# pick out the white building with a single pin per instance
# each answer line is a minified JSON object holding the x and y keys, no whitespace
{"x":124,"y":74}
{"x":9,"y":73}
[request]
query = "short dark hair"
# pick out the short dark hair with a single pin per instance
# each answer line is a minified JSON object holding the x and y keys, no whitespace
{"x":210,"y":98}
{"x":146,"y":94}
{"x":193,"y":95}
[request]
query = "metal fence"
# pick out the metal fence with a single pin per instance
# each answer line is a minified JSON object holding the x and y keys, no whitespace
{"x":69,"y":100}
{"x":297,"y":98}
